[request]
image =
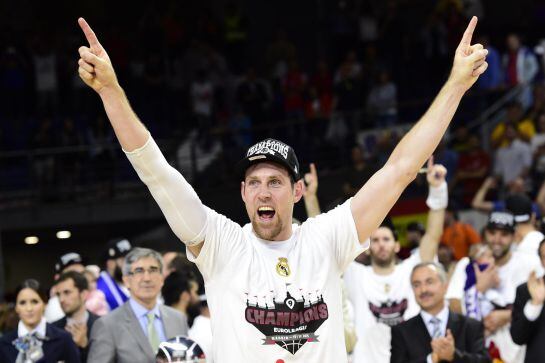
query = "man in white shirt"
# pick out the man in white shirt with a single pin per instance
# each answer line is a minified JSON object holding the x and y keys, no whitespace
{"x":487,"y":292}
{"x":514,"y":160}
{"x":274,"y":287}
{"x":527,"y":237}
{"x":381,"y":294}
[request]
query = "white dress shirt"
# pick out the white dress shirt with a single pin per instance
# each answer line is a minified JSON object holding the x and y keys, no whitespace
{"x":443,"y":320}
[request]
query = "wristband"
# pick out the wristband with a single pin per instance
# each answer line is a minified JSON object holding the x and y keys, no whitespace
{"x":438,"y":197}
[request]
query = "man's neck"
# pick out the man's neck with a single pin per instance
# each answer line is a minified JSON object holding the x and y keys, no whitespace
{"x":436,"y":309}
{"x":503,"y":260}
{"x":148,"y":305}
{"x":79,"y":314}
{"x":181,"y":307}
{"x":383,"y":270}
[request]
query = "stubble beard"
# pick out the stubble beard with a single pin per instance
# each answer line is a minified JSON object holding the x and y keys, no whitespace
{"x":268,"y":234}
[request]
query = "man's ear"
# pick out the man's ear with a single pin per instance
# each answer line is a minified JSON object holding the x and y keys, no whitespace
{"x":298,"y":190}
{"x":242,"y":186}
{"x":126,"y":281}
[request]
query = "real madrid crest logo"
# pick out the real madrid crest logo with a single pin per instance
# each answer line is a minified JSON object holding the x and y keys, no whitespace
{"x":282,"y":267}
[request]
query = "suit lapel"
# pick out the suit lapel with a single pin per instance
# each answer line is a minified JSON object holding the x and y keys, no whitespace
{"x":453,"y":323}
{"x":169,"y":324}
{"x":422,"y":336}
{"x":135,"y":329}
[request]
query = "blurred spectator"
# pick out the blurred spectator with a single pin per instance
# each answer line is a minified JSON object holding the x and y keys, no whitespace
{"x":96,"y":300}
{"x":445,"y":257}
{"x":527,"y":237}
{"x":235,"y":28}
{"x":110,"y":281}
{"x":514,"y":116}
{"x":148,"y":322}
{"x":437,"y":334}
{"x":279,"y":53}
{"x":538,"y":140}
{"x":528,"y":324}
{"x":241,"y":130}
{"x":100,"y":139}
{"x":253,"y":97}
{"x":47,"y":341}
{"x":45,"y":70}
{"x":71,"y":261}
{"x":318,"y":108}
{"x":486,"y":290}
{"x":520,"y":66}
{"x":72,"y":290}
{"x":202,"y":100}
{"x":368,"y":24}
{"x":382,"y":101}
{"x":201,"y":330}
{"x":513,"y":160}
{"x":352,"y":65}
{"x":69,"y":163}
{"x":415,"y":231}
{"x":492,"y":79}
{"x":458,"y":235}
{"x":8,"y":318}
{"x":357,"y":174}
{"x":448,"y":158}
{"x":293,"y":85}
{"x":322,"y":80}
{"x":473,"y":166}
{"x":44,"y":162}
{"x":348,"y":96}
{"x":14,"y":81}
{"x":180,"y":291}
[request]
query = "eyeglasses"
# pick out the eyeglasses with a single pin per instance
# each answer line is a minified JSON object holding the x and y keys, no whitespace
{"x":140,"y":271}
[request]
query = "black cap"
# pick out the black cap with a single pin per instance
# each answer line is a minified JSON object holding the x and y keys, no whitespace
{"x":271,"y":150}
{"x":501,"y":220}
{"x":118,"y":247}
{"x":70,"y":258}
{"x":521,"y":206}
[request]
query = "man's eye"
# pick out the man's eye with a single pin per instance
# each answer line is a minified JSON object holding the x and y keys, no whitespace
{"x":275,"y":182}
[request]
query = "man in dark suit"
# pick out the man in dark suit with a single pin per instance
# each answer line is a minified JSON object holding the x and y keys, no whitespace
{"x":72,"y":288}
{"x":528,"y":322}
{"x":436,"y":334}
{"x":132,"y":332}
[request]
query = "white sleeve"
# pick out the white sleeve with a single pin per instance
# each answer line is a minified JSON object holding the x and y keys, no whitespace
{"x":338,"y":228}
{"x":181,"y":206}
{"x":458,"y":280}
{"x":532,"y":311}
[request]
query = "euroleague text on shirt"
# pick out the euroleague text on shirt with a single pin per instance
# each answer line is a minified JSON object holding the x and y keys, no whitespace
{"x":269,"y":147}
{"x":289,"y":324}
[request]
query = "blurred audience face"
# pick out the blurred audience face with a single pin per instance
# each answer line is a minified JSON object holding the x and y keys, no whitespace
{"x":429,"y":289}
{"x":30,"y":307}
{"x":444,"y":255}
{"x":510,"y":132}
{"x":516,"y":186}
{"x":513,"y":42}
{"x":193,"y":294}
{"x":70,"y":297}
{"x":115,"y":268}
{"x":499,"y":241}
{"x":145,"y":280}
{"x":383,"y":247}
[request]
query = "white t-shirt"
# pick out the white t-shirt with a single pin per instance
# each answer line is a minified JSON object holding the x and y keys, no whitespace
{"x":380,"y":302}
{"x":278,"y":301}
{"x":530,"y":243}
{"x":201,"y":333}
{"x":514,"y":273}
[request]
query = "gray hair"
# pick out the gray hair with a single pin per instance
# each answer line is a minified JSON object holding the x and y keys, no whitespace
{"x":437,"y":266}
{"x":138,"y":253}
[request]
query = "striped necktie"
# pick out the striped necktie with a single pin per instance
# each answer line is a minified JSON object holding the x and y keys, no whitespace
{"x":436,"y":327}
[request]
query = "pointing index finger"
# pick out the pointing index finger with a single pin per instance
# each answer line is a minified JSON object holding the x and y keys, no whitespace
{"x":89,"y":34}
{"x":465,"y":43}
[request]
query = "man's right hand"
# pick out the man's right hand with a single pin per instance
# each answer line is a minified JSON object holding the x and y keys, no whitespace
{"x":486,"y":279}
{"x":536,"y":286}
{"x":95,"y":67}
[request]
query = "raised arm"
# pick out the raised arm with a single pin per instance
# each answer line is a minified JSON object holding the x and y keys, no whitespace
{"x":312,"y":205}
{"x":181,"y":206}
{"x":378,"y":195}
{"x":437,"y":202}
{"x":479,"y":201}
{"x":96,"y":70}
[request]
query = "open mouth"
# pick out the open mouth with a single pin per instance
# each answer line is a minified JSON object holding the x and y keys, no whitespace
{"x":266,"y":213}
